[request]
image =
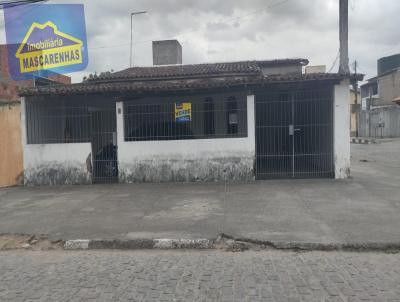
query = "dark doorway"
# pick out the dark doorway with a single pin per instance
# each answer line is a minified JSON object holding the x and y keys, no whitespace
{"x":104,"y":144}
{"x":294,"y":134}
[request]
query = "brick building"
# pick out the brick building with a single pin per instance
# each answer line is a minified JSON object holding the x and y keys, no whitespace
{"x":9,"y":87}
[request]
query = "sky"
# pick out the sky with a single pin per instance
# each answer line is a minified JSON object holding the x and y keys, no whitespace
{"x":233,"y":30}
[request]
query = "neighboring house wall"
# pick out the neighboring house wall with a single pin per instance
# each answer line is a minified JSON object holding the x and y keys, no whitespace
{"x":284,"y":69}
{"x":353,"y":124}
{"x":380,"y":122}
{"x":187,"y":160}
{"x":388,"y":88}
{"x":381,"y":119}
{"x":353,"y":110}
{"x":369,"y":94}
{"x":54,"y":164}
{"x":315,"y":69}
{"x":342,"y":130}
{"x":11,"y":162}
{"x":9,"y":87}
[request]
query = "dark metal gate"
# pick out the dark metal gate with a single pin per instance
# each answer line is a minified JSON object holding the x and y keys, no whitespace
{"x":104,"y":145}
{"x":294,"y":134}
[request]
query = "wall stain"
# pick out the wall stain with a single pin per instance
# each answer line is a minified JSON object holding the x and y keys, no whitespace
{"x":51,"y":174}
{"x":188,"y":170}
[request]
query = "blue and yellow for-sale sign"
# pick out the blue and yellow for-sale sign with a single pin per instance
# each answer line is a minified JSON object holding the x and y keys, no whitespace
{"x":45,"y":38}
{"x":183,"y":112}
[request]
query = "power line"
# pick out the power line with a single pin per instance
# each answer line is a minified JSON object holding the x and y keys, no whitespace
{"x":260,"y":10}
{"x":279,"y":3}
{"x":361,"y":69}
{"x":18,"y":2}
{"x":334,"y":62}
{"x":29,"y":9}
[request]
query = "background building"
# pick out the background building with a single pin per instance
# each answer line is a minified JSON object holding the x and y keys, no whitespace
{"x":380,"y":115}
{"x":355,"y":100}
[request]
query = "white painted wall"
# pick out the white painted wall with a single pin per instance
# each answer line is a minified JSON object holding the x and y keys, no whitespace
{"x":54,"y":164}
{"x":342,"y":130}
{"x":152,"y":157}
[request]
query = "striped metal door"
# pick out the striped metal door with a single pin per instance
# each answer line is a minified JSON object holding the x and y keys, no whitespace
{"x":294,"y":134}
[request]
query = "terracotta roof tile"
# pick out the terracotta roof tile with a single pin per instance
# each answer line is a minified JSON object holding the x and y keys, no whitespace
{"x":211,"y":69}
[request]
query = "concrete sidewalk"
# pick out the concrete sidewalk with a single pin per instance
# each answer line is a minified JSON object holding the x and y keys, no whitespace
{"x":365,"y":208}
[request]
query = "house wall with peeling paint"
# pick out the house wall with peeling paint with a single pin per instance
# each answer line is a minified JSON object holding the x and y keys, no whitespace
{"x":187,"y":160}
{"x":56,"y":164}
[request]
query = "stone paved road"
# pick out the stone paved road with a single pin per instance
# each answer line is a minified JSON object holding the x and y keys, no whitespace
{"x":198,"y":276}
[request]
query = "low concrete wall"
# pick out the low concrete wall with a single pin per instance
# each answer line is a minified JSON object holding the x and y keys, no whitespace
{"x":187,"y":160}
{"x":54,"y":164}
{"x":380,"y":122}
{"x":342,"y":130}
{"x":11,"y":163}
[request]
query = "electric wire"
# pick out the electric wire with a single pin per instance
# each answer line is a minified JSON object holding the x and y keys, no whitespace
{"x":334,"y":62}
{"x":18,"y":2}
{"x":225,"y":21}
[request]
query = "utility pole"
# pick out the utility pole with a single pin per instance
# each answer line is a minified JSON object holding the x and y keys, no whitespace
{"x":355,"y":87}
{"x":131,"y":53}
{"x":344,"y":36}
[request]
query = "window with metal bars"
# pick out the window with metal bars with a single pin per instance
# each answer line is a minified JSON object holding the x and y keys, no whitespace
{"x":207,"y":118}
{"x":55,"y":123}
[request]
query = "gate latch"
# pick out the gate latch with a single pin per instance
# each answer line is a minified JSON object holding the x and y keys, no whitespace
{"x":292,"y":130}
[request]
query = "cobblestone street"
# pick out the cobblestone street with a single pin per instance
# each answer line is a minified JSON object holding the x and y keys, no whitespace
{"x":198,"y":276}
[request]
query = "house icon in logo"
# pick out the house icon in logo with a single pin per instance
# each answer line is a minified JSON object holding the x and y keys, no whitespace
{"x":45,"y":47}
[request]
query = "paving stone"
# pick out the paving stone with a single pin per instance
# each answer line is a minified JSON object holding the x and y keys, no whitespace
{"x":270,"y":276}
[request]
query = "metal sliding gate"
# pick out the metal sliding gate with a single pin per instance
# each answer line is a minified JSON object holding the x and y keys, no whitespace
{"x":294,"y":134}
{"x":104,"y":145}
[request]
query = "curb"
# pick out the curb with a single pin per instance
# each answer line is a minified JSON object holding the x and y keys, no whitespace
{"x":363,"y":141}
{"x":316,"y":246}
{"x":225,"y":242}
{"x":137,"y":244}
{"x":344,"y":247}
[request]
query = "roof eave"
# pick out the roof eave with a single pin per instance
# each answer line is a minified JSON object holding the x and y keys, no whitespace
{"x":172,"y":78}
{"x":123,"y":86}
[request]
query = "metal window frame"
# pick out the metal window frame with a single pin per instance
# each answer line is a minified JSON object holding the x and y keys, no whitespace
{"x":129,"y":113}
